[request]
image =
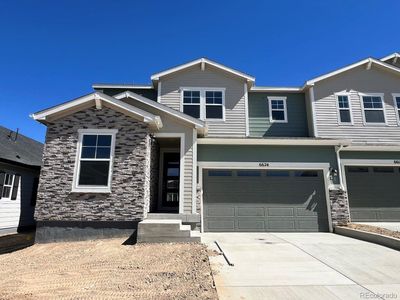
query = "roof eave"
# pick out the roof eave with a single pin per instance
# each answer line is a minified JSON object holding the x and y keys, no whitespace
{"x":249,"y":79}
{"x":44,"y":115}
{"x":128,"y":94}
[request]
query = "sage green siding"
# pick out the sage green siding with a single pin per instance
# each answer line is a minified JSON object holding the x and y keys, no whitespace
{"x":370,"y":155}
{"x":259,"y":122}
{"x":229,"y":153}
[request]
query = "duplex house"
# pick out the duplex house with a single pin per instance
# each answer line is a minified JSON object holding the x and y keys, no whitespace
{"x":204,"y":146}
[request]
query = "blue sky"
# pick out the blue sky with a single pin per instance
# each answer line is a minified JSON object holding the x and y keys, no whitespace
{"x":52,"y":51}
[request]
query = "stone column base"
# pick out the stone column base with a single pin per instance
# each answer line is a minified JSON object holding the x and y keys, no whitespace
{"x":339,"y":206}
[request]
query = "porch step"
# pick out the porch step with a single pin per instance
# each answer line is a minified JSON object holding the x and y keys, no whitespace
{"x":165,"y":230}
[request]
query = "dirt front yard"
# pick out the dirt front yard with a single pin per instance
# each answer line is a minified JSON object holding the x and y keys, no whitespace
{"x":374,"y":229}
{"x":107,"y":269}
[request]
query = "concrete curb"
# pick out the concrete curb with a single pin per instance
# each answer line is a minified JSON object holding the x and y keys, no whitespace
{"x":369,"y":237}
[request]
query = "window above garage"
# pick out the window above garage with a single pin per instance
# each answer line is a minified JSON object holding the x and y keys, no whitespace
{"x":203,"y":103}
{"x":373,"y":109}
{"x":344,"y":109}
{"x":277,"y":109}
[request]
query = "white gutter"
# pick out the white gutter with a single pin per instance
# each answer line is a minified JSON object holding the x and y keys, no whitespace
{"x":277,"y":142}
{"x":275,"y":89}
{"x":339,"y":166}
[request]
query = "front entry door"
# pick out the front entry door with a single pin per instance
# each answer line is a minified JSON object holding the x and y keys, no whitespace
{"x":170,"y":184}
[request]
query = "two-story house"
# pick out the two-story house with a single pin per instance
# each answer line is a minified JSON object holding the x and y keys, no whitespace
{"x":204,"y":146}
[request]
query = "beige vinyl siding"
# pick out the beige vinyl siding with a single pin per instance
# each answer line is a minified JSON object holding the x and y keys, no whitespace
{"x":357,"y":81}
{"x":235,"y":110}
{"x":187,"y":183}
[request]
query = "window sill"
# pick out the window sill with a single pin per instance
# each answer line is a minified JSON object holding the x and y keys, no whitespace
{"x":277,"y":121}
{"x":97,"y":190}
{"x":376,"y":125}
{"x":214,"y":120}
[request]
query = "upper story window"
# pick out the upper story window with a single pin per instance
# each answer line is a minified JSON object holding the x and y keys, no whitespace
{"x":374,"y":112}
{"x":214,"y":106}
{"x":343,"y":104}
{"x":191,"y":103}
{"x":396,"y":98}
{"x":277,"y":109}
{"x":94,"y":161}
{"x":204,"y":103}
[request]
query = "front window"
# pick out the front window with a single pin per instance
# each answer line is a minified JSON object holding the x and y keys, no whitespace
{"x":277,"y":108}
{"x":94,"y":160}
{"x":373,"y":109}
{"x":9,"y":184}
{"x":191,"y":103}
{"x":204,"y":103}
{"x":344,"y":109}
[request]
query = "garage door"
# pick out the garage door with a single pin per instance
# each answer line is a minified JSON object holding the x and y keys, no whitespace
{"x":373,"y":193}
{"x":260,"y":200}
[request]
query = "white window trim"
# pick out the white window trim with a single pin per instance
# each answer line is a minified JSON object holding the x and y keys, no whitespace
{"x":348,"y":95}
{"x":381,"y":95}
{"x":270,"y":99}
{"x":203,"y":104}
{"x":396,"y":95}
{"x":93,"y":189}
{"x":8,"y":185}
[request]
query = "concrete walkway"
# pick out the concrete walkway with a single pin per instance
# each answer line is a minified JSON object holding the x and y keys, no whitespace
{"x":394,"y":226}
{"x":303,"y":266}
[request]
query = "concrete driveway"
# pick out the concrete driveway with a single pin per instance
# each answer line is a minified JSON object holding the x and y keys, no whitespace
{"x":303,"y":266}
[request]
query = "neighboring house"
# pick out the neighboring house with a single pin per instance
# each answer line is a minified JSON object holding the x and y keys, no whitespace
{"x":203,"y":144}
{"x":20,"y":161}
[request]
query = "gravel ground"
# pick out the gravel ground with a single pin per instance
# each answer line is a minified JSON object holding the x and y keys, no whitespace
{"x":106,"y":269}
{"x":374,"y":229}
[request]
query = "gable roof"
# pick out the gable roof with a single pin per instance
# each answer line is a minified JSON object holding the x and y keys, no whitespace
{"x":97,"y":99}
{"x":20,"y":148}
{"x":174,"y":113}
{"x":368,"y":61}
{"x":203,"y":61}
{"x":390,"y":56}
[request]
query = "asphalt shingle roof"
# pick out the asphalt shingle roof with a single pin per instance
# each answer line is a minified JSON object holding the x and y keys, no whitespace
{"x":23,"y":150}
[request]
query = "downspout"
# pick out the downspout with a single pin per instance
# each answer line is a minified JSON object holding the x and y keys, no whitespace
{"x":340,"y":175}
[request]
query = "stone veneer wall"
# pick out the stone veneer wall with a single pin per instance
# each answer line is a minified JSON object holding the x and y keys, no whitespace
{"x":130,"y":185}
{"x":198,"y":199}
{"x":339,"y":207}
